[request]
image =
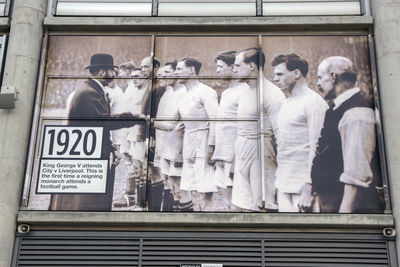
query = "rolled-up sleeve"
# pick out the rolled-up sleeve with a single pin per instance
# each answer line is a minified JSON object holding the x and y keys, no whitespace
{"x":357,"y":131}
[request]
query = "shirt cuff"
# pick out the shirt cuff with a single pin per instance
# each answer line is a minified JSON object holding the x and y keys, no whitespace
{"x":347,"y":179}
{"x":211,"y":140}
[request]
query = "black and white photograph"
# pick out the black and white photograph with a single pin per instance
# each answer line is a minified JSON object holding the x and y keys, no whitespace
{"x":208,"y":124}
{"x":327,"y":158}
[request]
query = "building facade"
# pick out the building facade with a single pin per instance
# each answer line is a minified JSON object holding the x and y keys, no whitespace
{"x":82,"y":216}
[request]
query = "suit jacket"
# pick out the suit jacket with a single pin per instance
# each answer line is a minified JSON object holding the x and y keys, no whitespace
{"x":91,"y":108}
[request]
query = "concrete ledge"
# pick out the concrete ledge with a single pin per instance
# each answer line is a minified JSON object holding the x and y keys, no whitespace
{"x":210,"y":23}
{"x":235,"y":220}
{"x":4,"y":23}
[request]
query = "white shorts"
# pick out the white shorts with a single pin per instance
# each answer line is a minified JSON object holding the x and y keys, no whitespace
{"x":167,"y":167}
{"x":198,"y":176}
{"x":222,"y":175}
{"x":138,"y":151}
{"x":289,"y":202}
{"x":247,"y":184}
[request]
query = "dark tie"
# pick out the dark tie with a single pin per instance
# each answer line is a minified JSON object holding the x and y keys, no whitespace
{"x":108,"y":99}
{"x":331,"y":104}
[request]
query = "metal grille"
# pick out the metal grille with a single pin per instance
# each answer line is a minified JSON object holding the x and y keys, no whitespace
{"x":173,"y":252}
{"x":322,"y":253}
{"x":158,"y":249}
{"x":78,"y":252}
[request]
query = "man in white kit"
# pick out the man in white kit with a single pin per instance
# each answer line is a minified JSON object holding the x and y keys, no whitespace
{"x":247,"y":182}
{"x":300,"y":122}
{"x":169,"y":136}
{"x":137,"y":149}
{"x":199,"y":105}
{"x":226,"y":131}
{"x":120,"y":103}
{"x":117,"y":91}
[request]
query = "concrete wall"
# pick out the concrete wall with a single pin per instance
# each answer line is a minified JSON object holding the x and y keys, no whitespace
{"x":20,"y":71}
{"x":386,"y":15}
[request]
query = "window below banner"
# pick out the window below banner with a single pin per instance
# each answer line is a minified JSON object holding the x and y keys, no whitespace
{"x":4,"y":7}
{"x":104,"y":8}
{"x":207,"y":8}
{"x":241,"y":123}
{"x":313,"y":8}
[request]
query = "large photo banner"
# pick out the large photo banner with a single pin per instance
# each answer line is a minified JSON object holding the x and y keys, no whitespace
{"x":190,"y":123}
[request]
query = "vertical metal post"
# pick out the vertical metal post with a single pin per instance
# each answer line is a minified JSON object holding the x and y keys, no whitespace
{"x":140,"y":252}
{"x":35,"y":124}
{"x":261,"y":118}
{"x":7,"y":8}
{"x":365,"y":7}
{"x":51,"y":7}
{"x":379,"y":127}
{"x":154,"y":8}
{"x":259,"y":8}
{"x":263,"y":258}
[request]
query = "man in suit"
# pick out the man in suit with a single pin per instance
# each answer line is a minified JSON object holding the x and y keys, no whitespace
{"x":90,"y":107}
{"x":149,"y":67}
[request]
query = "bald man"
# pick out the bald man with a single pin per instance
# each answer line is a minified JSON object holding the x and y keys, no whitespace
{"x":341,"y":174}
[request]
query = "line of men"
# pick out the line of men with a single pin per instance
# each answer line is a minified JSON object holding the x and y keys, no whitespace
{"x":323,"y":152}
{"x":317,"y":151}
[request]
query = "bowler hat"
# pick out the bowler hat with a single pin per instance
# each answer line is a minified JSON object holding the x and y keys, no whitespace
{"x":101,"y":60}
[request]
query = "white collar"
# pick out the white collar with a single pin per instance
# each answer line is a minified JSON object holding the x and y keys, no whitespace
{"x":101,"y":86}
{"x":340,"y":99}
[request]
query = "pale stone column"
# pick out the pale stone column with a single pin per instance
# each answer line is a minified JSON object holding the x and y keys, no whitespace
{"x":386,"y":15}
{"x":21,"y":70}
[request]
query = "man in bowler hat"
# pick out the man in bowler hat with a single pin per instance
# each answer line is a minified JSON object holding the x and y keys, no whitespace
{"x":90,"y":107}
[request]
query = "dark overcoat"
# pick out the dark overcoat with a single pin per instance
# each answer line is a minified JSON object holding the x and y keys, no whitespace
{"x":90,"y":108}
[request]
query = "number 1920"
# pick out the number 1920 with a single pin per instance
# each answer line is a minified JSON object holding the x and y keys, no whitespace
{"x":72,"y":142}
